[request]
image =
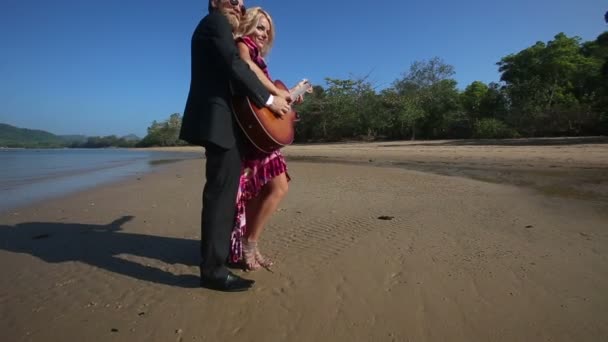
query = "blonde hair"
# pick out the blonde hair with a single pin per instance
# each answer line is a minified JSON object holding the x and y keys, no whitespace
{"x":249,"y":23}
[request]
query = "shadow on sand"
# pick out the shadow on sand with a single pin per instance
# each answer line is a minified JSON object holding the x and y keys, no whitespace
{"x":101,"y":246}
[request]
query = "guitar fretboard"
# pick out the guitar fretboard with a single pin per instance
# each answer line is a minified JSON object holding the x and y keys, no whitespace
{"x":300,"y":89}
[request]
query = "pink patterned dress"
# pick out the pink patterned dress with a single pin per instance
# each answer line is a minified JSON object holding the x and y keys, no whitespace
{"x":257,"y":169}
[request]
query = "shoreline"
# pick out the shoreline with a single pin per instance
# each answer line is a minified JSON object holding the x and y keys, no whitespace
{"x":551,"y":169}
{"x":59,"y":180}
{"x":564,"y":167}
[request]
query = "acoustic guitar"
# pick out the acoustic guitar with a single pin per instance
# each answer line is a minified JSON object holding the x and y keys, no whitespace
{"x":264,"y":129}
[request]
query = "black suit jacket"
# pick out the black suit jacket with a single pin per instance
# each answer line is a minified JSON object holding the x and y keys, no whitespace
{"x":216,"y":69}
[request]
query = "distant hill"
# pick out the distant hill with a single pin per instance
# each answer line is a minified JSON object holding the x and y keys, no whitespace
{"x":11,"y":136}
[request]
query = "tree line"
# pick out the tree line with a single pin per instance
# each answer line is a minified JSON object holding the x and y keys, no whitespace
{"x":557,"y":88}
{"x":104,"y":141}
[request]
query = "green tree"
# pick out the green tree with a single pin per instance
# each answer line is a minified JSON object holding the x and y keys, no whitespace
{"x":495,"y":103}
{"x":490,"y":128}
{"x":404,"y":112}
{"x":430,"y":83}
{"x":340,"y":109}
{"x":548,"y":86}
{"x":472,"y":100}
{"x":310,"y":113}
{"x":480,"y":102}
{"x":164,"y":133}
{"x":597,"y":82}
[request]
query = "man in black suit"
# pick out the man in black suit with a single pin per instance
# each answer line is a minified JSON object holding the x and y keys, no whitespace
{"x":208,"y":121}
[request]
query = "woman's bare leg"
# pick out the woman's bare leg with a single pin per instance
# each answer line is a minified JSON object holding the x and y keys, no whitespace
{"x":260,"y":209}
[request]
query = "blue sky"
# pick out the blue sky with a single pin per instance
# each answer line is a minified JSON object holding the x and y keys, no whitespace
{"x":112,"y":67}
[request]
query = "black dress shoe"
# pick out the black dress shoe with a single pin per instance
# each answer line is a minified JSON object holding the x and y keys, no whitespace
{"x":232,"y":283}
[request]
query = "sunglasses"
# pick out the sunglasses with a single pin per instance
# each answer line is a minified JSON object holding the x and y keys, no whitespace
{"x":235,"y":3}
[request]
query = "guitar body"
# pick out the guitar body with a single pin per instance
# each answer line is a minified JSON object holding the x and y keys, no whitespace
{"x":265,"y":130}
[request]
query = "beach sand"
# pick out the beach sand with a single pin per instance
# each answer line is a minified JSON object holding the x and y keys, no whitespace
{"x":395,"y":241}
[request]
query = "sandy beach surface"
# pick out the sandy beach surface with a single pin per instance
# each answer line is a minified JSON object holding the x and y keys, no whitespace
{"x":393,"y":241}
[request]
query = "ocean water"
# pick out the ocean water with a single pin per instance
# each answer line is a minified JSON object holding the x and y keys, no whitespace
{"x":31,"y":175}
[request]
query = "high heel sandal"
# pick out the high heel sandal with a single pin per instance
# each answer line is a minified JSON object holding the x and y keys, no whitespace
{"x":249,"y":255}
{"x":262,"y":260}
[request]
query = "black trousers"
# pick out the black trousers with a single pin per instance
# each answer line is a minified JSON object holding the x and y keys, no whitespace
{"x":223,"y":170}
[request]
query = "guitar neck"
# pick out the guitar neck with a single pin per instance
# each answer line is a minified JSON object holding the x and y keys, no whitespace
{"x":300,"y":90}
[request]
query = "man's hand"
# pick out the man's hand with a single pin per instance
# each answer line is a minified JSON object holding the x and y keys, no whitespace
{"x":279,"y":106}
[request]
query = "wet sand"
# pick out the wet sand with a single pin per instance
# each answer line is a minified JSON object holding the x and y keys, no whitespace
{"x":398,"y":241}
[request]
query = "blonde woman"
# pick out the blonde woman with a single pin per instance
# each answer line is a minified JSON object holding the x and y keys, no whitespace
{"x":264,"y":179}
